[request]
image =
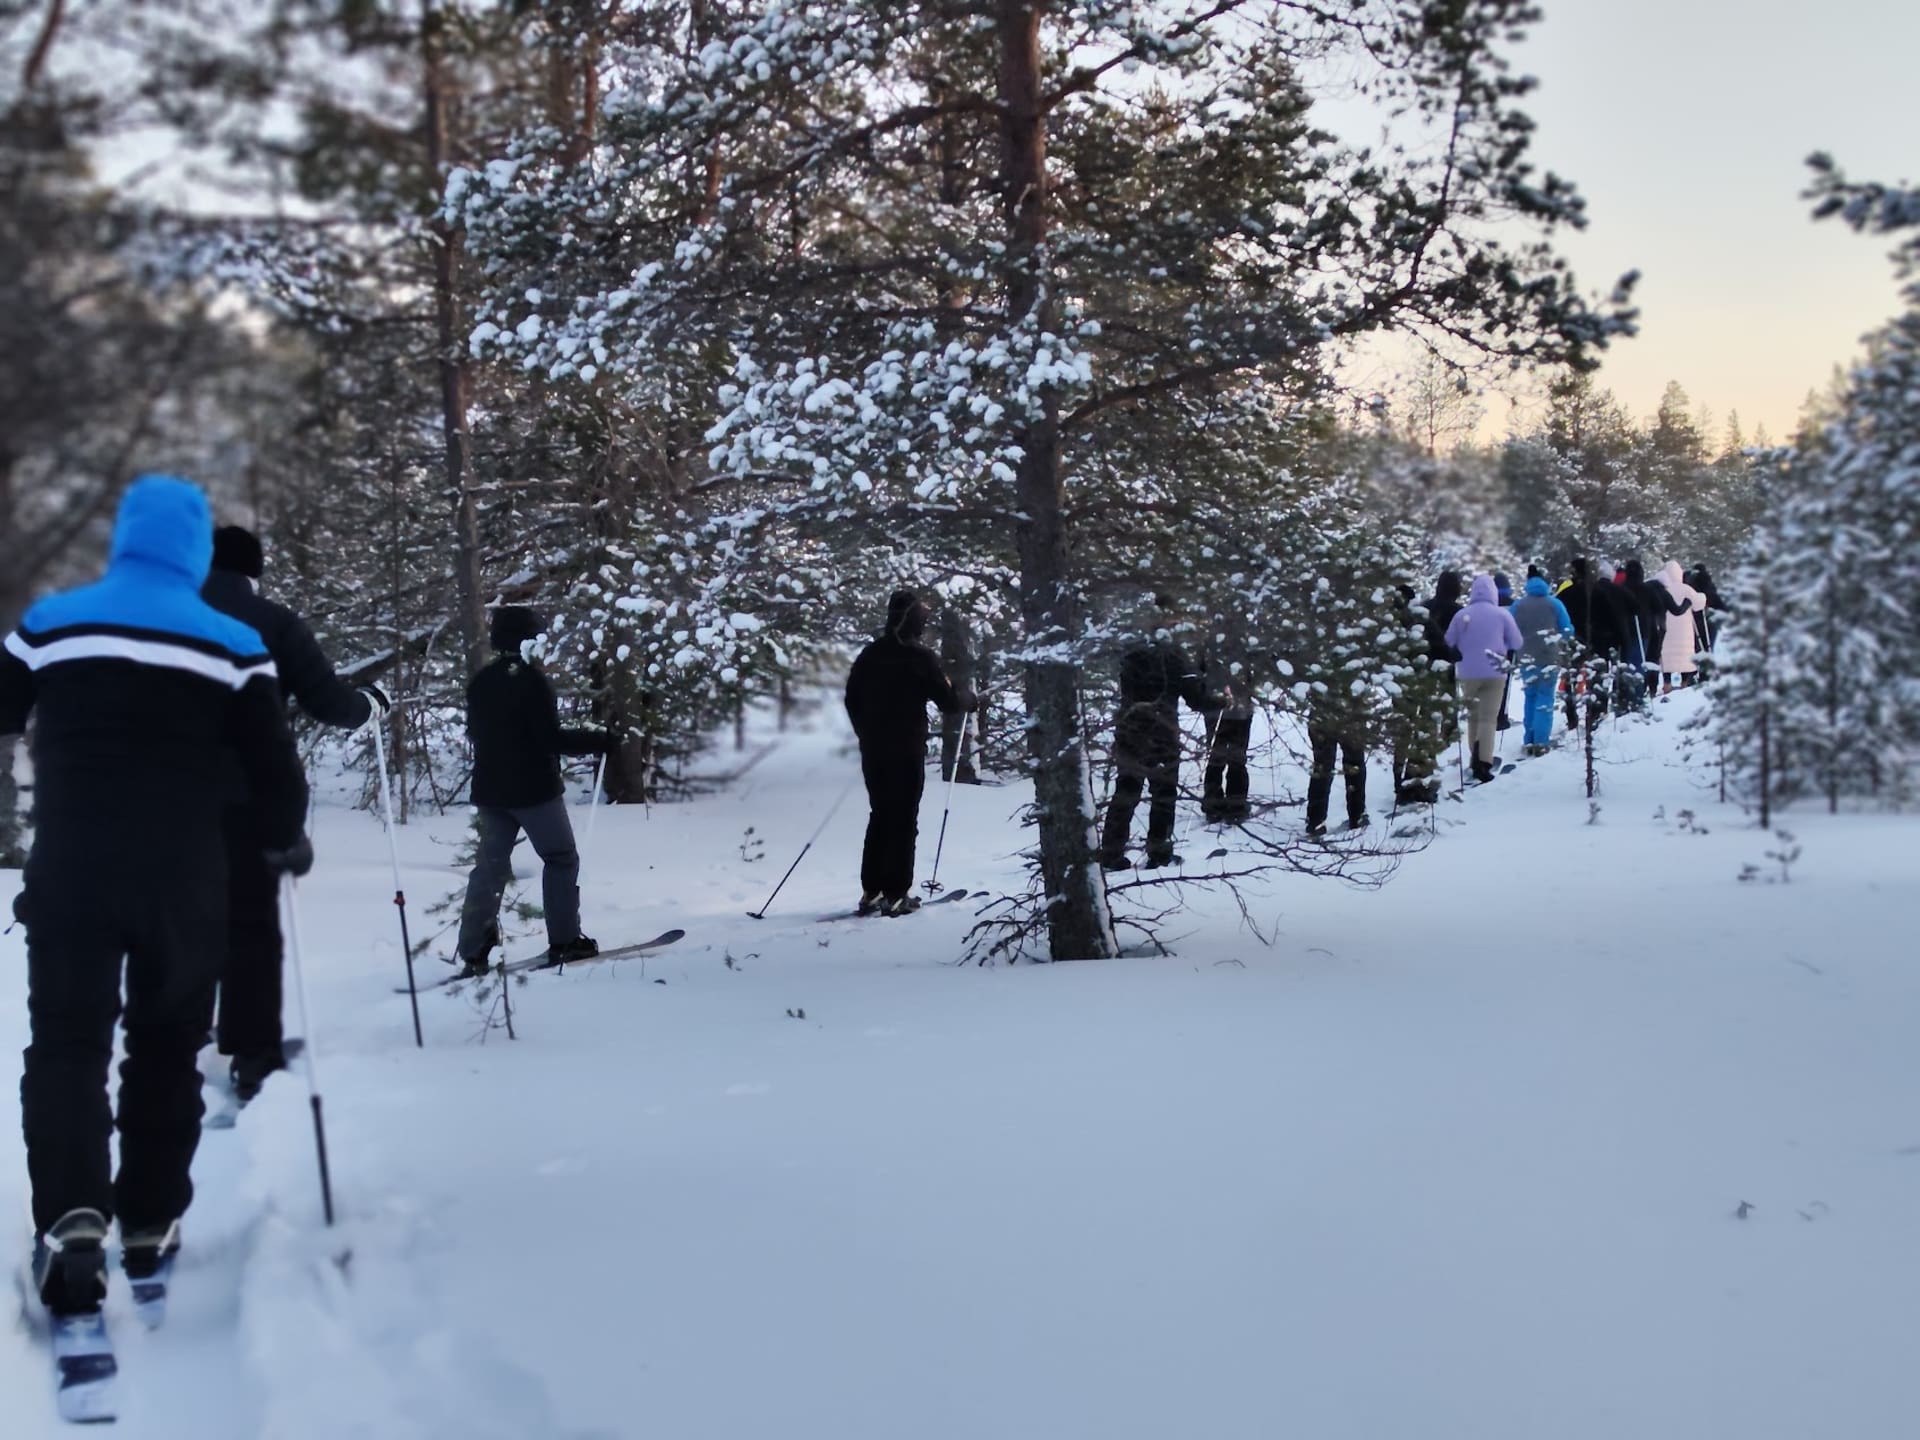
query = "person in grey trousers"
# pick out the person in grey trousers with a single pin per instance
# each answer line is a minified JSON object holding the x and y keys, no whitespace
{"x":513,"y":721}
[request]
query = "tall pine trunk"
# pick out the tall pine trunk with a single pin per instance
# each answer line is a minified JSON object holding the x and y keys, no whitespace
{"x":1079,"y":926}
{"x":471,"y":601}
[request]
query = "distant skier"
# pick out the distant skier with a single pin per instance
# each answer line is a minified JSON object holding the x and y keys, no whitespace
{"x":1599,"y":626}
{"x":513,"y":721}
{"x":148,"y":705}
{"x":892,"y":682}
{"x":249,"y":1028}
{"x":1656,"y":609}
{"x":1155,"y":676}
{"x":1486,"y":639}
{"x":1545,"y":632}
{"x":1224,"y":785}
{"x":1426,"y":707}
{"x":1683,"y":641}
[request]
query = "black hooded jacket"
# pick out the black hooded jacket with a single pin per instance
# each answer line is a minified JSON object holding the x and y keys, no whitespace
{"x":1441,"y":609}
{"x":1599,"y":611}
{"x":894,"y":679}
{"x":513,"y":720}
{"x":305,"y":676}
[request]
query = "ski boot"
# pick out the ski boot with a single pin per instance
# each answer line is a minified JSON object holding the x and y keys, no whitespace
{"x":581,"y":947}
{"x":473,"y":967}
{"x":870,"y":904}
{"x":147,"y":1257}
{"x":250,"y":1071}
{"x":70,"y":1274}
{"x":70,"y":1264}
{"x":900,"y":904}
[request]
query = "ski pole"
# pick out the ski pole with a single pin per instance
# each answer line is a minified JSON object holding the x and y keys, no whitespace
{"x":290,"y":891}
{"x":593,"y":808}
{"x":819,"y":830}
{"x":399,"y":894}
{"x":933,"y":881}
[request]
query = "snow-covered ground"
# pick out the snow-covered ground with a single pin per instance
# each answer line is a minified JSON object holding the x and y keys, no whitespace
{"x":1568,"y":1132}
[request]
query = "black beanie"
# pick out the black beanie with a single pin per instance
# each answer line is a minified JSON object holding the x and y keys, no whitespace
{"x":906,"y":616}
{"x":513,"y":625}
{"x":237,"y":549}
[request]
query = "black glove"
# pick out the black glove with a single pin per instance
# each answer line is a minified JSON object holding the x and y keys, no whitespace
{"x":20,"y":907}
{"x":295,"y":860}
{"x":376,"y":697}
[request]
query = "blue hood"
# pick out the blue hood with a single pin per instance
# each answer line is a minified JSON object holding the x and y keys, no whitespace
{"x":1538,"y":586}
{"x":165,"y":523}
{"x":162,"y":547}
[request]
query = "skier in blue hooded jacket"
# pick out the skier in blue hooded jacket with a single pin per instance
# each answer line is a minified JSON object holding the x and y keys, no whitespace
{"x":148,"y":708}
{"x":1546,"y":632}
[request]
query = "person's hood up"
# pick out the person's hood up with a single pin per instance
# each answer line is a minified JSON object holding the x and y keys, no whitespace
{"x":1578,"y":570}
{"x":164,"y":522}
{"x":1636,"y":573}
{"x":1447,"y":587}
{"x":513,"y":626}
{"x":1484,"y":591}
{"x":1537,"y":585}
{"x":1671,"y":577}
{"x":906,"y":616}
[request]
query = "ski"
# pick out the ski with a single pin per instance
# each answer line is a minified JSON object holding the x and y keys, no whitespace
{"x":540,"y":962}
{"x":84,"y":1369}
{"x":1506,"y":769}
{"x":947,"y":898}
{"x":84,"y":1365}
{"x":150,"y":1293}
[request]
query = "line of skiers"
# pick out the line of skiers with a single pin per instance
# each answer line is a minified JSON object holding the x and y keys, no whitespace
{"x":171,"y":801}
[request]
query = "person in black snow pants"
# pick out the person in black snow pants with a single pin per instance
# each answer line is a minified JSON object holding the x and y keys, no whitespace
{"x":892,"y":682}
{"x":513,"y":721}
{"x":1155,"y":676}
{"x":249,"y":1028}
{"x":149,"y":707}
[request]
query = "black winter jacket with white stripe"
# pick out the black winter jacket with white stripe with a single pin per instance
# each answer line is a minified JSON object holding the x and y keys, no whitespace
{"x":144,"y":697}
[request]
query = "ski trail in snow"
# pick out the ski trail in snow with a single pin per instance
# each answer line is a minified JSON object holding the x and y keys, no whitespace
{"x":342,"y":1328}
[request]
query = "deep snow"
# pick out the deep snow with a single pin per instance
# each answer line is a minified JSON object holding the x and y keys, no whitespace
{"x":1461,"y":1157}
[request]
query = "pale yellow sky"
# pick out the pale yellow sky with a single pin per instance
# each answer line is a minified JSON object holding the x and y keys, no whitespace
{"x":1685,"y":124}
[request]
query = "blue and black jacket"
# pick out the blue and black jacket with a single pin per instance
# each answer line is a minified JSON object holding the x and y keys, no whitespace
{"x":144,"y":696}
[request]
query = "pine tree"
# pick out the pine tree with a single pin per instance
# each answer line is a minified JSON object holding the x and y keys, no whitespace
{"x":955,"y":253}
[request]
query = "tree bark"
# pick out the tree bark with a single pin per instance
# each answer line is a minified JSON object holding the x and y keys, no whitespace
{"x":453,"y":368}
{"x":1079,"y":926}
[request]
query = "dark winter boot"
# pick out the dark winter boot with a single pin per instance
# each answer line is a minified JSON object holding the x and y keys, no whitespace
{"x":870,"y":904}
{"x":1111,"y":861}
{"x":147,"y":1257}
{"x":1359,"y":822}
{"x":70,"y":1263}
{"x":472,"y":967}
{"x":581,"y":947}
{"x":143,"y":1252}
{"x":1482,"y":771}
{"x":250,"y":1071}
{"x":1158,"y":859}
{"x":900,"y":904}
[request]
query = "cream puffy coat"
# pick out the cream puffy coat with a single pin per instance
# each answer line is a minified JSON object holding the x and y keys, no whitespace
{"x":1677,"y":649}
